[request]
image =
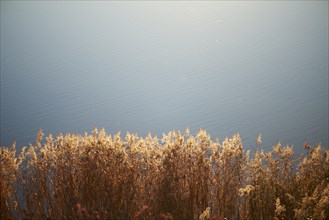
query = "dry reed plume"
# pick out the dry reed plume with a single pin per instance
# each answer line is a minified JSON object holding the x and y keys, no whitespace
{"x":99,"y":176}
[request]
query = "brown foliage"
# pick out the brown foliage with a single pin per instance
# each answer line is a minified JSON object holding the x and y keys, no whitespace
{"x":97,"y":176}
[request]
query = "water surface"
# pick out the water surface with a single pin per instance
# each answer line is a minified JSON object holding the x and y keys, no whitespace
{"x":226,"y":67}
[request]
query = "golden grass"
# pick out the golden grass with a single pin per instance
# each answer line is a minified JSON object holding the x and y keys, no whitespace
{"x":99,"y":176}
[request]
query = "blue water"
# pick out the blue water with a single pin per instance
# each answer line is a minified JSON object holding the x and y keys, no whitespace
{"x":226,"y":67}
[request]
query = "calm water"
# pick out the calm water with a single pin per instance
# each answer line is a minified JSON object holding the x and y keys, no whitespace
{"x":156,"y":66}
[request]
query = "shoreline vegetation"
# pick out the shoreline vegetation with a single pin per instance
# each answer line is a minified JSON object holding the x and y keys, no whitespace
{"x":181,"y":176}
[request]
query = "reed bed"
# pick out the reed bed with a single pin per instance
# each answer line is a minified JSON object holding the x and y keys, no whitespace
{"x":181,"y":176}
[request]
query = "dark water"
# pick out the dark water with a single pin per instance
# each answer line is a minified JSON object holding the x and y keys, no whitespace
{"x":156,"y":66}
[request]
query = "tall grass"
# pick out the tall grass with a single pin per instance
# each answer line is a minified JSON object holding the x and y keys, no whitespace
{"x":99,"y":176}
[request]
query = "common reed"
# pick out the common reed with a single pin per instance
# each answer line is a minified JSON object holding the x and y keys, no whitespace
{"x":181,"y":176}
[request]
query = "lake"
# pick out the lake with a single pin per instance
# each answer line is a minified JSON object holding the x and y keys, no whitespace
{"x":227,"y":67}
